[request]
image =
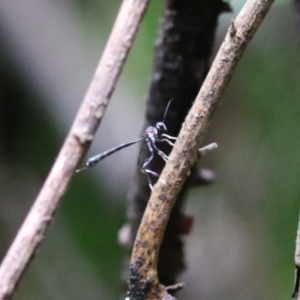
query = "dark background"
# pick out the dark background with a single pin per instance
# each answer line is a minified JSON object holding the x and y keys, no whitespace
{"x":242,"y":244}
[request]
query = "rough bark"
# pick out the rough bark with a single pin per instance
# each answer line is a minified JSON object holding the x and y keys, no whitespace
{"x":182,"y":56}
{"x":145,"y":281}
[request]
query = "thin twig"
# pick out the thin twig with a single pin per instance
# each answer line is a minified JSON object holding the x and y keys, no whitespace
{"x":79,"y":138}
{"x":143,"y":266}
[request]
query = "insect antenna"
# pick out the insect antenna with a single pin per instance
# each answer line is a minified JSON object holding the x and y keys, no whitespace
{"x":166,"y":110}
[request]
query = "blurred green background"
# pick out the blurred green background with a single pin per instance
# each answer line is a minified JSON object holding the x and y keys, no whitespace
{"x":242,"y":245}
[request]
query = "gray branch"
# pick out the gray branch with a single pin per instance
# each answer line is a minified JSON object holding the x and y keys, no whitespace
{"x":76,"y":144}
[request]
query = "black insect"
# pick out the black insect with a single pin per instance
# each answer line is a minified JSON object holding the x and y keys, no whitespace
{"x":151,"y":136}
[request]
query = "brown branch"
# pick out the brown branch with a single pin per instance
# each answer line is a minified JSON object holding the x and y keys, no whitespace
{"x":77,"y":142}
{"x":182,"y":56}
{"x":143,"y":278}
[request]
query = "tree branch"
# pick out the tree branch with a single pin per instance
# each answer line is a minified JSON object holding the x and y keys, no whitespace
{"x":77,"y":142}
{"x":182,"y":56}
{"x":143,"y":277}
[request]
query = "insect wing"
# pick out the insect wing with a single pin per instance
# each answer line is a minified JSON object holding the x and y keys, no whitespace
{"x":144,"y":153}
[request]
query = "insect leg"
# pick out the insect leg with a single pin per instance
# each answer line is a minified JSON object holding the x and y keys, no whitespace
{"x":167,"y":139}
{"x":146,"y":163}
{"x":160,"y":153}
